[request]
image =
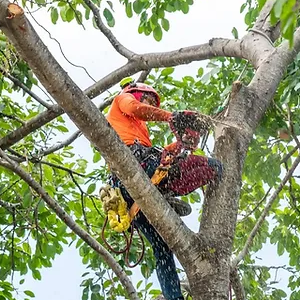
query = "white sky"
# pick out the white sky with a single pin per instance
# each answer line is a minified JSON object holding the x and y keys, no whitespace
{"x":89,"y":48}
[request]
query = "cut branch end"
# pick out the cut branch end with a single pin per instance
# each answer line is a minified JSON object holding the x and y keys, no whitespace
{"x":14,"y":10}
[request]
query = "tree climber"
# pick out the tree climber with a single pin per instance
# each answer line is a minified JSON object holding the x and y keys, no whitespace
{"x":136,"y":104}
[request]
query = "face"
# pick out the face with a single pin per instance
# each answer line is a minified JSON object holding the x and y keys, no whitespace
{"x":150,"y":99}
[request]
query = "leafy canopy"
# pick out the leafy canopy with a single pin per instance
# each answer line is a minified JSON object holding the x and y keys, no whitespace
{"x":32,"y":235}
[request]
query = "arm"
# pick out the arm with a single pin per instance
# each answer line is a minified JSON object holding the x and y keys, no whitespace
{"x":133,"y":108}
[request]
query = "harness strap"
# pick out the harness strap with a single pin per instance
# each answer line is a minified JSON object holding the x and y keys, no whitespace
{"x":160,"y":173}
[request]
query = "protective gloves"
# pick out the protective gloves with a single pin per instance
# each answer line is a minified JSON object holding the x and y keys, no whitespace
{"x":188,"y":127}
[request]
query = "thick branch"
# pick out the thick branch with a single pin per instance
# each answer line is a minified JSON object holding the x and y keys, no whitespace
{"x":261,"y":36}
{"x":237,"y":285}
{"x":74,"y":136}
{"x":265,"y":212}
{"x":55,"y":111}
{"x":94,"y":126}
{"x":263,"y":23}
{"x":216,"y":47}
{"x":72,"y":225}
{"x":114,"y":42}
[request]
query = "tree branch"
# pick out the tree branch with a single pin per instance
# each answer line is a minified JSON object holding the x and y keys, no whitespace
{"x":75,"y":135}
{"x":256,"y":206}
{"x":95,"y":127}
{"x":265,"y":212}
{"x":8,"y":206}
{"x":285,"y":159}
{"x":237,"y":285}
{"x":61,"y":145}
{"x":55,"y":110}
{"x":143,"y":76}
{"x":20,"y":158}
{"x":263,"y":23}
{"x":114,"y":42}
{"x":17,"y":82}
{"x":10,"y":164}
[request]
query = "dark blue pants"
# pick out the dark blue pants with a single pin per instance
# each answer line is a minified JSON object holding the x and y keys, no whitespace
{"x":165,"y":264}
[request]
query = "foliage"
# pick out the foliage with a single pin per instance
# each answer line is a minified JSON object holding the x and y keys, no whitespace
{"x":32,"y":235}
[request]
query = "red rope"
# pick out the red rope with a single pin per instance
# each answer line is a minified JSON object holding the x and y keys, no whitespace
{"x":230,"y":292}
{"x":126,"y":250}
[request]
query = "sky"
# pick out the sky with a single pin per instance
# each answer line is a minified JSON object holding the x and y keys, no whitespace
{"x":89,"y":48}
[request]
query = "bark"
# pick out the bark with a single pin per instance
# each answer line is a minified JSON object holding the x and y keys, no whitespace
{"x":95,"y":127}
{"x":205,"y":256}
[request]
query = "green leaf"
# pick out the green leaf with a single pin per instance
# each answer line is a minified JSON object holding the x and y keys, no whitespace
{"x":109,"y":17}
{"x":91,"y":188}
{"x":167,"y":71}
{"x":110,"y":5}
{"x":54,"y":15}
{"x":95,"y":288}
{"x":36,"y":274}
{"x":70,"y":14}
{"x":78,"y":16}
{"x":277,"y":8}
{"x":280,"y":248}
{"x":27,"y":199}
{"x":244,"y":5}
{"x":129,"y":10}
{"x":157,"y":33}
{"x":200,"y":72}
{"x":29,"y":293}
{"x":235,"y":33}
{"x":26,"y":248}
{"x":165,"y":24}
{"x":261,"y":3}
{"x":87,"y":13}
{"x":139,"y":284}
{"x":96,"y":157}
{"x":138,"y":6}
{"x":184,"y":7}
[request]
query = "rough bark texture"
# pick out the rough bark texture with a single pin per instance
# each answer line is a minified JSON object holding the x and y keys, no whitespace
{"x":205,"y":256}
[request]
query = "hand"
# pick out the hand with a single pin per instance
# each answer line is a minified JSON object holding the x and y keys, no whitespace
{"x":190,"y":139}
{"x":188,"y":127}
{"x":181,"y":120}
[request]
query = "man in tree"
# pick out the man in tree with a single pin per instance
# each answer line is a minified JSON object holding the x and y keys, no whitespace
{"x":136,"y":104}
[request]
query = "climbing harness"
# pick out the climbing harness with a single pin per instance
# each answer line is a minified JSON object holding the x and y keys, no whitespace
{"x":115,"y":206}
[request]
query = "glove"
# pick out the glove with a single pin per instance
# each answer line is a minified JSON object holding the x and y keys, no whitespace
{"x":187,"y":127}
{"x":190,"y":139}
{"x":109,"y":199}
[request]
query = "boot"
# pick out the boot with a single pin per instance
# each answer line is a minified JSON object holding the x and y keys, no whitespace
{"x":181,"y":208}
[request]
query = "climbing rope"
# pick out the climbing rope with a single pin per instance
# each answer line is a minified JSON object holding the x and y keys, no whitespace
{"x":119,"y":219}
{"x":128,"y":241}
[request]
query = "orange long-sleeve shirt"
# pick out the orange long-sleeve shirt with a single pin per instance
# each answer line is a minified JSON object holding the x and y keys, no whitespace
{"x":128,"y":117}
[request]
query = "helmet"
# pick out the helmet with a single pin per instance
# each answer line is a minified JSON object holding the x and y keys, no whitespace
{"x":141,"y":87}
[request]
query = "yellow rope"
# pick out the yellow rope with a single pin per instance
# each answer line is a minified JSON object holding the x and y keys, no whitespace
{"x":115,"y":207}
